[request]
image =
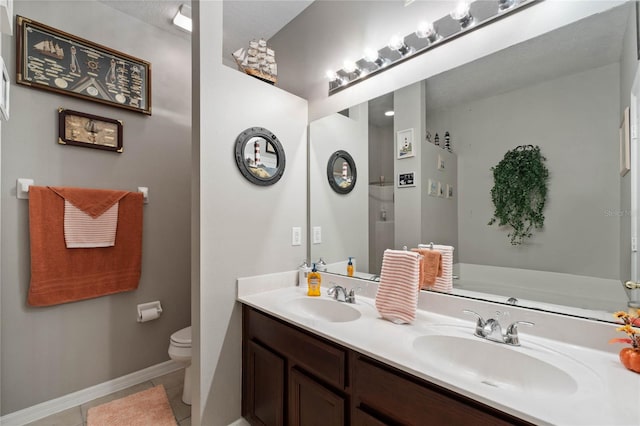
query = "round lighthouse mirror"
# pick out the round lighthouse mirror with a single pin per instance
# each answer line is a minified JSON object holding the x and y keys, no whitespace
{"x":341,"y":172}
{"x":259,"y":156}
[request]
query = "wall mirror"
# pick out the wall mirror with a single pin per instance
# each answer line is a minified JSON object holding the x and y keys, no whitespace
{"x":564,"y":91}
{"x":259,"y":156}
{"x":341,"y":172}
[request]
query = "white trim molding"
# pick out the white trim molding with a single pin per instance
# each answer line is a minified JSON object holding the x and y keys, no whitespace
{"x":53,"y":406}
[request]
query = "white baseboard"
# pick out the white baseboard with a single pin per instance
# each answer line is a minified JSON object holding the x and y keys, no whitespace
{"x":240,"y":422}
{"x":74,"y":399}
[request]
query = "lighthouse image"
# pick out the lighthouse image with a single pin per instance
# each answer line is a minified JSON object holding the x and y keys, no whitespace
{"x":256,"y":154}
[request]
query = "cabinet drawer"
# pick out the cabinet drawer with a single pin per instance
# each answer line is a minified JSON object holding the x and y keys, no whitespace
{"x":361,"y":418}
{"x":317,"y":357}
{"x":410,"y":401}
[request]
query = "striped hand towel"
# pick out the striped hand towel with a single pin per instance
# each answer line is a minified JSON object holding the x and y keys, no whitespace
{"x":84,"y":231}
{"x":443,"y":283}
{"x":90,"y":216}
{"x":397,"y":297}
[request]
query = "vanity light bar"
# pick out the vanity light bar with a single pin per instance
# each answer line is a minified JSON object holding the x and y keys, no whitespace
{"x":466,"y":17}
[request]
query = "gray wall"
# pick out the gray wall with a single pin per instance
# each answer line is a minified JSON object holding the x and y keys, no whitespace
{"x":341,"y":216}
{"x":574,"y":119}
{"x":49,"y":352}
{"x":243,"y":229}
{"x":439,"y":215}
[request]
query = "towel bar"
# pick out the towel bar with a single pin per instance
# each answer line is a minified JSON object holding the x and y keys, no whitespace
{"x":23,"y":184}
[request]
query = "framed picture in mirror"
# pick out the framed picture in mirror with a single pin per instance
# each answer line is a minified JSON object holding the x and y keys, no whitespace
{"x":449,"y":191}
{"x":433,"y":188}
{"x":404,"y":144}
{"x":406,"y":179}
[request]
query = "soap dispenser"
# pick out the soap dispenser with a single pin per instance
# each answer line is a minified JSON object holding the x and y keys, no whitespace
{"x":350,"y":268}
{"x":313,"y":282}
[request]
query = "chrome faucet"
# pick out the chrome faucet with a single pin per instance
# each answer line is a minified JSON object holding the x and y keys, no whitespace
{"x":492,"y":330}
{"x":335,"y":291}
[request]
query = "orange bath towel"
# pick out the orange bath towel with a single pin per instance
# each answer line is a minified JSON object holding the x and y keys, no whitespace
{"x":61,"y":275}
{"x":430,"y":267}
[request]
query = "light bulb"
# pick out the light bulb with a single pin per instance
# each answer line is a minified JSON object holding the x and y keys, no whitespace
{"x":461,"y":11}
{"x":389,"y":113}
{"x":425,"y":29}
{"x":428,"y":31}
{"x":505,"y":4}
{"x":349,"y":66}
{"x":371,"y":55}
{"x":396,"y":42}
{"x":374,"y":57}
{"x":331,"y":75}
{"x":462,"y":14}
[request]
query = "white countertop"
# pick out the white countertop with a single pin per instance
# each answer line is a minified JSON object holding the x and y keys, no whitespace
{"x":607,"y":393}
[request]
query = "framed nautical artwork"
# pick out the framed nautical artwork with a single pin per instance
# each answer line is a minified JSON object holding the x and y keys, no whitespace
{"x":404,"y":144}
{"x":81,"y":129}
{"x":50,"y":59}
{"x":4,"y":94}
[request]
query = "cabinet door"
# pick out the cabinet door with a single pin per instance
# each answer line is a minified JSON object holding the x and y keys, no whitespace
{"x":311,"y":404}
{"x":264,"y":391}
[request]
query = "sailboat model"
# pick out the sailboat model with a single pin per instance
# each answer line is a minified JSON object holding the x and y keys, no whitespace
{"x":258,"y":61}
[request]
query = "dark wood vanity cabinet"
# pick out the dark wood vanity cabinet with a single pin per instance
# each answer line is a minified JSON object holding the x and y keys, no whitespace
{"x":292,"y":377}
{"x":289,"y":376}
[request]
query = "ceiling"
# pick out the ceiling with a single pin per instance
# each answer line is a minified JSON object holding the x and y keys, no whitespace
{"x":243,"y":20}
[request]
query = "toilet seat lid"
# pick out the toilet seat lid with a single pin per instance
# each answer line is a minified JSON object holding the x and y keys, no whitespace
{"x":182,"y":337}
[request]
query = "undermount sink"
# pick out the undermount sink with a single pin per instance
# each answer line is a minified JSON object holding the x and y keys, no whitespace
{"x":496,"y":365}
{"x":323,"y":309}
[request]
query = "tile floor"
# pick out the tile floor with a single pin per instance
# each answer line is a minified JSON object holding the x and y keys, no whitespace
{"x":77,"y":416}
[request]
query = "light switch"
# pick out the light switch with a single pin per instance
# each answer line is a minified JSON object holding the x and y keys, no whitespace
{"x":317,"y":234}
{"x":296,"y":236}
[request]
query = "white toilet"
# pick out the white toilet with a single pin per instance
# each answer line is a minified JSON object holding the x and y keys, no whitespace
{"x":180,"y":351}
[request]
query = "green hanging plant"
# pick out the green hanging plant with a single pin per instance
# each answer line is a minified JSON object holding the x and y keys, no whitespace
{"x":519,"y":192}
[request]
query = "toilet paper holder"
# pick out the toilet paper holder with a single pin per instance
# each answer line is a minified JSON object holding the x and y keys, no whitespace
{"x":149,"y":311}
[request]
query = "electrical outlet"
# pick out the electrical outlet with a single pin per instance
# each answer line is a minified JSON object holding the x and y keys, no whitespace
{"x":317,"y":234}
{"x":296,"y":236}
